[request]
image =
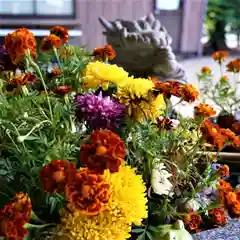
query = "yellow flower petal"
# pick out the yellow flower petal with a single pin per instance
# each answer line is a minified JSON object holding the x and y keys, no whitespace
{"x":137,"y":95}
{"x":128,"y":205}
{"x":98,"y":74}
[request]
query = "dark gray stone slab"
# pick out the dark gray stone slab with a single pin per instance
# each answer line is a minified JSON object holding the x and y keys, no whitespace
{"x":230,"y":232}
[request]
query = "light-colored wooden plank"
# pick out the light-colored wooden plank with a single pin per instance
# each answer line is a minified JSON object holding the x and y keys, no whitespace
{"x":110,"y":12}
{"x":224,"y":157}
{"x":93,"y":32}
{"x":126,"y":9}
{"x":192,"y":25}
{"x":82,"y":17}
{"x":138,"y":9}
{"x":110,"y":9}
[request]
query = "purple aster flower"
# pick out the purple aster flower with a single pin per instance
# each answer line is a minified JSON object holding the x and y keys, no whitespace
{"x":99,"y":112}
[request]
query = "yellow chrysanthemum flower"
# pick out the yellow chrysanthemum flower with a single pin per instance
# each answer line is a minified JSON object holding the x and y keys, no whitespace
{"x":137,"y":95}
{"x":126,"y":206}
{"x":100,"y":74}
{"x":128,"y":194}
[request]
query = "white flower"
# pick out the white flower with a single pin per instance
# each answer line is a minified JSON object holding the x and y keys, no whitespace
{"x":159,"y":180}
{"x":175,"y":123}
{"x":192,"y":204}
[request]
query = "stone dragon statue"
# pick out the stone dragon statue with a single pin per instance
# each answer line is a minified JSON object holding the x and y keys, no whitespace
{"x":143,"y":48}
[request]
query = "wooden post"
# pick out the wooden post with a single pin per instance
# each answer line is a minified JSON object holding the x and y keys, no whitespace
{"x":204,"y":11}
{"x":193,"y":15}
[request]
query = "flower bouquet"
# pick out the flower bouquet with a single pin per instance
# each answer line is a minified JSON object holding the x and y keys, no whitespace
{"x":88,"y":152}
{"x":223,"y":94}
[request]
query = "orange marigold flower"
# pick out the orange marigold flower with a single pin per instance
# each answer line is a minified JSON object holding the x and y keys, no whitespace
{"x":228,"y":133}
{"x":193,"y":221}
{"x":21,"y":80}
{"x":224,"y":170}
{"x":155,"y":80}
{"x":224,"y":79}
{"x":168,"y":88}
{"x":22,"y":203}
{"x":105,"y":151}
{"x":234,"y":209}
{"x":63,"y":90}
{"x":89,"y":193}
{"x":204,"y":110}
{"x":218,"y":217}
{"x":236,"y":142}
{"x":224,"y":186}
{"x":176,"y":88}
{"x":104,"y":53}
{"x":18,"y":43}
{"x":230,"y":136}
{"x":50,"y":42}
{"x":61,"y":32}
{"x":234,"y":66}
{"x":230,"y":198}
{"x":206,"y":70}
{"x":13,"y":228}
{"x":212,"y":134}
{"x":189,"y":93}
{"x":163,"y":87}
{"x":55,"y":175}
{"x":220,"y":56}
{"x":55,"y":73}
{"x":14,"y":215}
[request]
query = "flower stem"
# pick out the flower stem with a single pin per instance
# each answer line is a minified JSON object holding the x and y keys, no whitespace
{"x":31,"y":226}
{"x":24,"y":90}
{"x":22,"y":138}
{"x":58,"y":60}
{"x":221,"y":69}
{"x":66,"y":99}
{"x":34,"y":65}
{"x":35,"y":218}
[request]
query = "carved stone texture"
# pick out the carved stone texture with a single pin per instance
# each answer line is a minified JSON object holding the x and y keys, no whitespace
{"x":143,"y":48}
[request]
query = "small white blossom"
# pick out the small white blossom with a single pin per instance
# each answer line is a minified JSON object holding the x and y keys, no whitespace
{"x":192,"y":204}
{"x":159,"y":180}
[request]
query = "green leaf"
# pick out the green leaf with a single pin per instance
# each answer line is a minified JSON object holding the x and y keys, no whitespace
{"x":53,"y":205}
{"x":149,"y":235}
{"x":31,"y":138}
{"x":153,"y":228}
{"x":141,"y":237}
{"x":138,"y":230}
{"x":3,"y":172}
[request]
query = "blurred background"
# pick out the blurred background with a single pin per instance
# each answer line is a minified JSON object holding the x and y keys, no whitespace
{"x":197,"y":26}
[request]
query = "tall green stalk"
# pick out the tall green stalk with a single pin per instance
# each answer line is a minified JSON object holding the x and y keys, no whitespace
{"x":38,"y":70}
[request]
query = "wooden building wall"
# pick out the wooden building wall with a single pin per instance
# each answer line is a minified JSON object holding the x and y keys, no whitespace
{"x":184,"y":25}
{"x":90,"y":10}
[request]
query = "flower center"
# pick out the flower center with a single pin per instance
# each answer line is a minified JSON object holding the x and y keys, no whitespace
{"x":59,"y":176}
{"x":101,"y":150}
